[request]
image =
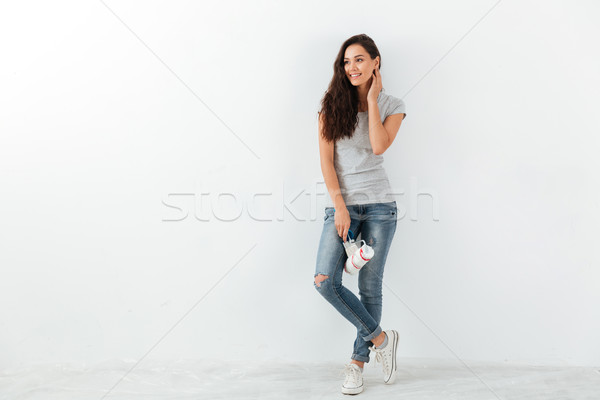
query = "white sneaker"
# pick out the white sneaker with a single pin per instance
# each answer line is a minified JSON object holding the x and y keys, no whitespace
{"x":387,"y":356}
{"x":354,"y":381}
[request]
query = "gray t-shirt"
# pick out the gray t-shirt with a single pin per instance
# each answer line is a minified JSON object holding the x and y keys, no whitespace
{"x":360,"y":172}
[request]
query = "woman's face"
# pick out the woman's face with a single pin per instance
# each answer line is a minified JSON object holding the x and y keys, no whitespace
{"x":359,"y":63}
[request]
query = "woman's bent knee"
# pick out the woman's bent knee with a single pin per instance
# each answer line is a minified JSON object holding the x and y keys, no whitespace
{"x":320,"y":278}
{"x":325,"y":287}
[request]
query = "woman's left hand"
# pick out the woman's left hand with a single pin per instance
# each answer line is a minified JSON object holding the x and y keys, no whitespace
{"x":375,"y":85}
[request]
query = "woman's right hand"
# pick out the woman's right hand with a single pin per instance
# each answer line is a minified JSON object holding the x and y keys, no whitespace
{"x":342,"y":222}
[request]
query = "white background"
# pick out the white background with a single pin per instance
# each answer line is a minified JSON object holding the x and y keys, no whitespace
{"x":112,"y":114}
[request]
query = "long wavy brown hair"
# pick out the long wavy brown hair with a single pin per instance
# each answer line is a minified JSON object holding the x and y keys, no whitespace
{"x":339,"y":104}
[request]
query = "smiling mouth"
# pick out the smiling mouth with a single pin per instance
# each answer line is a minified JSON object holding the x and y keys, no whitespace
{"x":354,"y":76}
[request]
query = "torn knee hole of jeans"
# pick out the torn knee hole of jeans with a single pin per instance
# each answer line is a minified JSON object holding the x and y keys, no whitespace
{"x":320,"y":278}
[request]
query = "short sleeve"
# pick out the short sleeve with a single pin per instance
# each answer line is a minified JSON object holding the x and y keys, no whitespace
{"x":397,"y":106}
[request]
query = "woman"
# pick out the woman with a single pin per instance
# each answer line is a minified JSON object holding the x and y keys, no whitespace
{"x":357,"y":124}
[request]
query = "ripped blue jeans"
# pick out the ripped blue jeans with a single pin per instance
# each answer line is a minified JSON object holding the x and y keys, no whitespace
{"x":376,"y":223}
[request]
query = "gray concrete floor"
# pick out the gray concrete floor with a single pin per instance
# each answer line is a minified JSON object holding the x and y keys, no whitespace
{"x":421,"y":379}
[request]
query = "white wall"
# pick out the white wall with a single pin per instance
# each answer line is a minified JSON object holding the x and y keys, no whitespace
{"x":108,"y":116}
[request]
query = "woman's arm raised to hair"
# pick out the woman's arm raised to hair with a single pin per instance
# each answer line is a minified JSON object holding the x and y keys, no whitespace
{"x":328,"y":169}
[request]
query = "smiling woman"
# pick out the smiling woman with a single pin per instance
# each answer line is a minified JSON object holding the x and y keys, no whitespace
{"x":357,"y":124}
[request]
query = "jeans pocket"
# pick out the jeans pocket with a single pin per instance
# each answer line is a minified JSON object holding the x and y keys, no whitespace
{"x":383,"y":212}
{"x":329,"y":212}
